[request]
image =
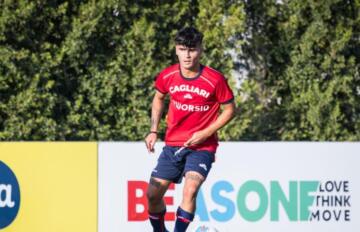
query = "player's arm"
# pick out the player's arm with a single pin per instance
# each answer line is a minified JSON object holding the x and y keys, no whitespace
{"x":156,"y":112}
{"x":226,"y":115}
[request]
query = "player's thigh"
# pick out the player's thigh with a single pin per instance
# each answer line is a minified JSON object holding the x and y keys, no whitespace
{"x":199,"y":162}
{"x":157,"y":187}
{"x":193,"y":181}
{"x":169,"y":166}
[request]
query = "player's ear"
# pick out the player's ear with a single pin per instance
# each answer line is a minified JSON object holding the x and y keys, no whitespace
{"x":200,"y":48}
{"x":176,"y":50}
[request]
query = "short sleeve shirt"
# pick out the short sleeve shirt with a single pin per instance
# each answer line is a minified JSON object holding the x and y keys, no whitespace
{"x":194,"y":103}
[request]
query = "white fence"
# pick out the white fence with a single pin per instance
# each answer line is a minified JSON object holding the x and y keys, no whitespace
{"x":253,"y":186}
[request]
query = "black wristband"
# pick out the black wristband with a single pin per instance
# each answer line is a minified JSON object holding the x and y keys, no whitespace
{"x":153,"y":132}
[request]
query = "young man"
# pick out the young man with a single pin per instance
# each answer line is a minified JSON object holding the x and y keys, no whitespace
{"x":196,"y":93}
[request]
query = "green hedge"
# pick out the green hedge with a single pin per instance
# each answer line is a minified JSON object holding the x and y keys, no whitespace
{"x":83,"y":70}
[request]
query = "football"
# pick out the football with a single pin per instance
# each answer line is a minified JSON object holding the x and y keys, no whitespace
{"x":206,"y":229}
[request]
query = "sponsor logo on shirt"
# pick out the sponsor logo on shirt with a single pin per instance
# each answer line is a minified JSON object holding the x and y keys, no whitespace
{"x":190,"y":89}
{"x":188,"y":96}
{"x":191,"y":108}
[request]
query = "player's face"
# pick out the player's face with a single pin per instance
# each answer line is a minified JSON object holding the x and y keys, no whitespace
{"x":188,"y":57}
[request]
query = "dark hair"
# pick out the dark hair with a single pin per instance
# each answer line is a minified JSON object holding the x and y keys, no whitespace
{"x":189,"y":37}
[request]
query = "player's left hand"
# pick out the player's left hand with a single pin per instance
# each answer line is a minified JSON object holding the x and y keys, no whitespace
{"x":197,"y":138}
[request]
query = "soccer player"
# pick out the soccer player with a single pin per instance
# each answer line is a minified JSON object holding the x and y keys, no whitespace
{"x":196,"y":94}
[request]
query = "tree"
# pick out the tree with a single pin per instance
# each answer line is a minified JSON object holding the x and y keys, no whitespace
{"x":303,"y":64}
{"x":322,"y":100}
{"x":83,"y":70}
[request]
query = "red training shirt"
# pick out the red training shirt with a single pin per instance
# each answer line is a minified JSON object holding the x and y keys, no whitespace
{"x":194,"y":103}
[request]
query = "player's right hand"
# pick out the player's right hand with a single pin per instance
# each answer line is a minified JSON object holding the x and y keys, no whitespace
{"x":150,"y":141}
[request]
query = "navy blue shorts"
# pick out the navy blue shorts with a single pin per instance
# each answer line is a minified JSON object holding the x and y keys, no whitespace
{"x":173,"y":165}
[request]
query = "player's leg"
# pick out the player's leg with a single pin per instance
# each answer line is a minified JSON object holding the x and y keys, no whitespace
{"x":193,"y":181}
{"x":157,"y":209}
{"x":185,"y":212}
{"x":155,"y":193}
{"x":197,"y":167}
{"x":167,"y":170}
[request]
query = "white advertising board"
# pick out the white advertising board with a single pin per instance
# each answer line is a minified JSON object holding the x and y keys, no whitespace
{"x":253,"y":186}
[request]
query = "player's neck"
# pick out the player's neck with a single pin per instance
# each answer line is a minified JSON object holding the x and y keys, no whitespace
{"x":190,"y":73}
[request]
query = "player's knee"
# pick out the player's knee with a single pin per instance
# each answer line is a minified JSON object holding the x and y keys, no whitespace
{"x":190,"y":192}
{"x":153,"y":197}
